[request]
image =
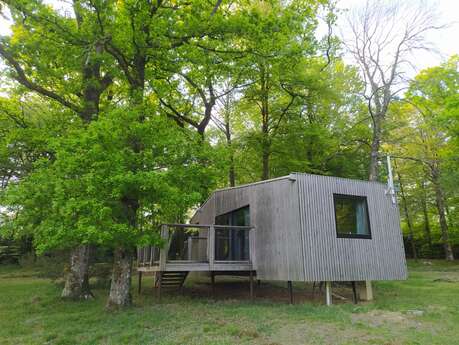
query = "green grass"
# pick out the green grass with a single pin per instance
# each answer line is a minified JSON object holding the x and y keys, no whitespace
{"x":31,"y":312}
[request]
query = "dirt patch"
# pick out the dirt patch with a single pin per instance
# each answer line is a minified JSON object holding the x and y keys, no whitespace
{"x":378,"y":318}
{"x":235,"y":289}
{"x":311,"y":332}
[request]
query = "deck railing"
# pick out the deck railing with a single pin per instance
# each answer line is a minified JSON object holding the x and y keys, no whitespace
{"x":189,"y":243}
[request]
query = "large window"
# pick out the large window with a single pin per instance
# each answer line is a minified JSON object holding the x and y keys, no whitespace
{"x":232,"y":244}
{"x":351,"y":215}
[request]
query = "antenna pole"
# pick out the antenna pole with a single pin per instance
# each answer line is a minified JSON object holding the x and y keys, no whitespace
{"x":390,"y":181}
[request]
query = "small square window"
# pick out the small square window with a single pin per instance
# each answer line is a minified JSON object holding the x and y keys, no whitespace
{"x":351,"y":216}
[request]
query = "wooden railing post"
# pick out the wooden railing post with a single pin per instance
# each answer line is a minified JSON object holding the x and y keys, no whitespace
{"x":163,"y":252}
{"x":151,"y":255}
{"x":211,"y":247}
{"x":252,"y":248}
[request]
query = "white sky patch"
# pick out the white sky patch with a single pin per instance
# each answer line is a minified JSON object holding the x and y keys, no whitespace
{"x":444,"y":41}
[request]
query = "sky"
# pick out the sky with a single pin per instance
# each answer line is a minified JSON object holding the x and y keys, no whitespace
{"x":446,"y":41}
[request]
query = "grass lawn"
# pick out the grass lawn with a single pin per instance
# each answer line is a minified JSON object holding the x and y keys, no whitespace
{"x":31,"y":312}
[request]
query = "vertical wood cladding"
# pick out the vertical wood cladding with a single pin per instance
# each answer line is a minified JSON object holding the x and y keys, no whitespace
{"x":295,"y":231}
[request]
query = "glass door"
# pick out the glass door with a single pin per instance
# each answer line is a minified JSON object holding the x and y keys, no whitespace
{"x":232,"y":244}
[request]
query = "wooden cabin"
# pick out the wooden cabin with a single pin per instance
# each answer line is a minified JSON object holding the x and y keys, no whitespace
{"x":297,"y":228}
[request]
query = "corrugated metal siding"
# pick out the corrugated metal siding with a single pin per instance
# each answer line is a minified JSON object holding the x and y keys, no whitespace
{"x":330,"y":258}
{"x":295,"y":233}
{"x":276,"y":252}
{"x":279,"y":252}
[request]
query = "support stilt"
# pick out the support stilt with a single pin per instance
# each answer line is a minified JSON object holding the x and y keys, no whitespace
{"x":365,"y":291}
{"x":354,"y":293}
{"x":158,"y":290}
{"x":290,"y":290}
{"x":251,"y":284}
{"x":140,"y":282}
{"x":328,"y":293}
{"x":212,"y":283}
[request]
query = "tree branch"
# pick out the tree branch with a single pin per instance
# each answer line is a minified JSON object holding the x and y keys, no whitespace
{"x":25,"y":81}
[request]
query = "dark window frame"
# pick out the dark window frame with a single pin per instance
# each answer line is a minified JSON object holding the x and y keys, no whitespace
{"x":230,"y":215}
{"x":352,"y":197}
{"x":230,"y":212}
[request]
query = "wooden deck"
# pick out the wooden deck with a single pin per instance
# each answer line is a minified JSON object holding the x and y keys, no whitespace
{"x":201,"y":256}
{"x":192,"y":249}
{"x":198,"y":266}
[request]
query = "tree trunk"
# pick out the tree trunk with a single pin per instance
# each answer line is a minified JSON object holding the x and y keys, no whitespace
{"x":265,"y":119}
{"x":265,"y":144}
{"x":407,"y":216}
{"x":231,"y":170}
{"x":375,"y":146}
{"x":77,"y":278}
{"x":440,"y":202}
{"x":265,"y":159}
{"x":425,"y":213}
{"x":120,"y":287}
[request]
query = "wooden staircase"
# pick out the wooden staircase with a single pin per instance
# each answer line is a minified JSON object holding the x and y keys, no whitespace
{"x":170,"y":280}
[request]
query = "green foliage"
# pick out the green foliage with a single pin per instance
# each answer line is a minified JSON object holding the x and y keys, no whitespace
{"x":77,"y":197}
{"x":109,"y":149}
{"x":422,"y":137}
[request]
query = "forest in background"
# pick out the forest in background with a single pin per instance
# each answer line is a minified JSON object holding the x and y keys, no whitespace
{"x":117,"y":116}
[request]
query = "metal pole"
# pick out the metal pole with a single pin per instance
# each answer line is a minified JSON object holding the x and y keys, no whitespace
{"x":390,"y":180}
{"x":328,"y":293}
{"x":251,"y":285}
{"x":140,"y":282}
{"x":158,"y":290}
{"x":290,"y":290}
{"x":212,"y":282}
{"x":354,"y":293}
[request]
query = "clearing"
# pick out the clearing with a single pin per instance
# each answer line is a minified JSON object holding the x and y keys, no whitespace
{"x":422,"y":310}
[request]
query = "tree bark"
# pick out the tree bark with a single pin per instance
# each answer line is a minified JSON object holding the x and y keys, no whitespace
{"x":120,"y":287}
{"x":440,"y":203}
{"x":77,"y":278}
{"x":265,"y":161}
{"x":231,"y":169}
{"x":232,"y":172}
{"x":375,"y":146}
{"x":407,"y":216}
{"x":425,"y":213}
{"x":265,"y":119}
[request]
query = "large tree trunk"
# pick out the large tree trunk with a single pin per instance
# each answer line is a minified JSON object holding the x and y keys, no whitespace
{"x":120,"y":287}
{"x":77,"y":277}
{"x":231,"y":170}
{"x":265,"y":161}
{"x":265,"y":119}
{"x":265,"y":145}
{"x":440,"y":202}
{"x":375,"y":146}
{"x":425,"y":214}
{"x":407,"y":216}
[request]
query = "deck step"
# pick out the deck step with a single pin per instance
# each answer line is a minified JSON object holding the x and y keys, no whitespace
{"x":171,"y":279}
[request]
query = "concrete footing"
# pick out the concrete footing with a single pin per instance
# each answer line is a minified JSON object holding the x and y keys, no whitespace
{"x":365,"y":290}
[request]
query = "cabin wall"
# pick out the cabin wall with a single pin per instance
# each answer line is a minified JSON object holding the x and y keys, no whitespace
{"x":295,"y":231}
{"x":278,"y":251}
{"x":275,"y":249}
{"x":328,"y":258}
